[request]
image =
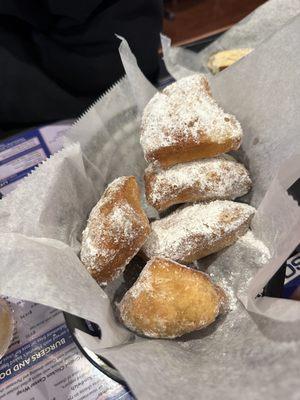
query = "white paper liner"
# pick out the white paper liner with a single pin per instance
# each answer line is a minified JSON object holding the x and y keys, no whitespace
{"x":41,"y":224}
{"x":42,"y":220}
{"x":250,"y":33}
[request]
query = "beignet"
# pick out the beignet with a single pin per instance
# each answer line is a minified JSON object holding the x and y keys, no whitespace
{"x":197,"y":230}
{"x":208,"y":179}
{"x":184,"y":123}
{"x":169,"y":300}
{"x":117,"y":228}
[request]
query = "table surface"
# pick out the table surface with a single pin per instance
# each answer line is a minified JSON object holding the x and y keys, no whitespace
{"x":198,"y":19}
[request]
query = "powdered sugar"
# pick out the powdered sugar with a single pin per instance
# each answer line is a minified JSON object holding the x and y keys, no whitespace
{"x":220,"y":177}
{"x":95,"y":236}
{"x":185,"y":111}
{"x":234,"y":268}
{"x":113,"y":225}
{"x":231,"y":298}
{"x":121,"y":219}
{"x":195,"y":228}
{"x":257,"y":247}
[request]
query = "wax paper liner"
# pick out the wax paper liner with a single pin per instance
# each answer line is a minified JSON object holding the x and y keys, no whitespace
{"x":244,"y":353}
{"x":41,"y":224}
{"x":250,"y":354}
{"x":249,"y":32}
{"x":247,"y":352}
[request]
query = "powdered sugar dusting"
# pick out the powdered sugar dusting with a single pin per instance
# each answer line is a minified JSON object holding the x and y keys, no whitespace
{"x":195,"y":227}
{"x":234,"y":268}
{"x":231,"y":298}
{"x":108,"y":232}
{"x":185,"y":111}
{"x":95,"y":237}
{"x":257,"y":246}
{"x":220,"y":177}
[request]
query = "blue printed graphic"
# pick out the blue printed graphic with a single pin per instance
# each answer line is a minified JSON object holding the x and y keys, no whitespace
{"x":18,"y":140}
{"x":123,"y":395}
{"x":290,"y":287}
{"x":292,"y":275}
{"x":34,"y":352}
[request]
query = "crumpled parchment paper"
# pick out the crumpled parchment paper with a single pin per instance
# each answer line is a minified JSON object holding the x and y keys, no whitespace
{"x":248,"y":354}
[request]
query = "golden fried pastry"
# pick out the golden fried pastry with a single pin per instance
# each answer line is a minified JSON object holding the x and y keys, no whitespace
{"x":223,"y":59}
{"x":184,"y":123}
{"x":6,"y":327}
{"x":116,"y":230}
{"x":198,"y":230}
{"x":169,"y":300}
{"x":221,"y":177}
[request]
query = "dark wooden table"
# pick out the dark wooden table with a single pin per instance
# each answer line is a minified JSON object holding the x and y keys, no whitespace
{"x":194,"y":20}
